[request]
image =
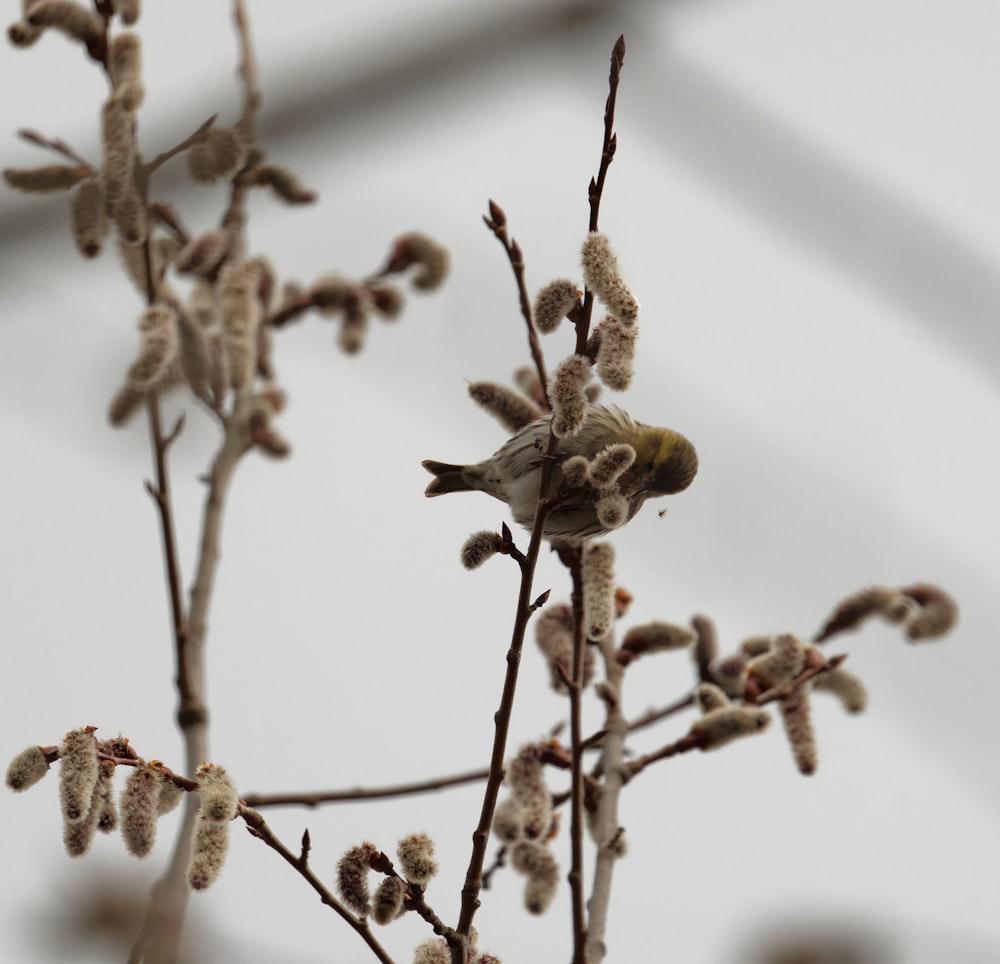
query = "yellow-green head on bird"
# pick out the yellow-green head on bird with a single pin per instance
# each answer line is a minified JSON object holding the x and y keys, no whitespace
{"x":664,"y":463}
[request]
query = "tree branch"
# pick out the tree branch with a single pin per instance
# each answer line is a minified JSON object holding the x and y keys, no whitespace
{"x":316,"y":798}
{"x":258,"y":828}
{"x":480,"y":836}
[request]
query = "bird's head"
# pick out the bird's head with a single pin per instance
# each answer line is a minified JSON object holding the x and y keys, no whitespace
{"x":669,"y":459}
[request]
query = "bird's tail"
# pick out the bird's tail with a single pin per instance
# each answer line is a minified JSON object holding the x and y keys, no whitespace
{"x":447,"y":478}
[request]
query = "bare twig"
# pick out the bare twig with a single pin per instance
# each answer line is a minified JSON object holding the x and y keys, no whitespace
{"x":53,"y":144}
{"x":160,"y":493}
{"x":612,"y":766}
{"x":610,"y":144}
{"x":572,"y":559}
{"x":685,"y":744}
{"x":372,"y":793}
{"x":157,"y":162}
{"x":481,"y":835}
{"x":259,"y":828}
{"x":595,"y":189}
{"x":248,"y":74}
{"x":497,"y":223}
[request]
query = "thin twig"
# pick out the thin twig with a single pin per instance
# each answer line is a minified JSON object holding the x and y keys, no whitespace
{"x":157,"y":162}
{"x":612,"y":766}
{"x":259,"y":828}
{"x":610,"y":144}
{"x":248,"y":74}
{"x":595,"y":190}
{"x":314,"y":799}
{"x":480,"y":836}
{"x":53,"y":144}
{"x":161,"y":496}
{"x":685,"y":744}
{"x":572,"y":559}
{"x":497,"y":223}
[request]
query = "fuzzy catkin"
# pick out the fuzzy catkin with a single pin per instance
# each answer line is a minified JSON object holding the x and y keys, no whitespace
{"x":78,"y":772}
{"x":509,"y":407}
{"x":552,"y":304}
{"x":26,"y":769}
{"x":430,"y":257}
{"x":157,"y":350}
{"x":845,"y":686}
{"x":44,"y":180}
{"x":127,"y":10}
{"x":616,"y":354}
{"x":434,"y":950}
{"x":217,"y":793}
{"x":119,"y":149}
{"x":131,"y":218}
{"x":89,"y":217}
{"x":72,"y":19}
{"x":125,"y":65}
{"x":285,"y":184}
{"x":138,"y":808}
{"x":240,"y":317}
{"x":601,"y":275}
{"x":779,"y":664}
{"x":567,"y":395}
{"x":526,"y":776}
{"x":352,"y":876}
{"x":479,"y":547}
{"x":609,"y":464}
{"x":388,"y":900}
{"x":796,"y":713}
{"x":203,"y":254}
{"x":727,"y":723}
{"x":208,"y":852}
{"x":416,"y":856}
{"x":219,"y":154}
{"x":598,"y":589}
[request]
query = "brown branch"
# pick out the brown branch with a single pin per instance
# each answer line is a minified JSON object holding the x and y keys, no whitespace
{"x":414,"y":898}
{"x":610,"y":143}
{"x":497,"y":223}
{"x":248,"y":74}
{"x":258,"y":828}
{"x":654,"y":716}
{"x":771,"y":696}
{"x":572,"y":559}
{"x":157,"y":162}
{"x":160,"y":493}
{"x":685,"y":744}
{"x":314,"y":799}
{"x":53,"y":144}
{"x":595,"y":190}
{"x":480,"y":836}
{"x":612,"y":767}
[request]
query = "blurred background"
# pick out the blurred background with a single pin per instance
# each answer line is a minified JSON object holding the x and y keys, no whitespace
{"x":805,"y":202}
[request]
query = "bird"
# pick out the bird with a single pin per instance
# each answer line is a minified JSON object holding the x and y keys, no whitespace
{"x":665,"y":463}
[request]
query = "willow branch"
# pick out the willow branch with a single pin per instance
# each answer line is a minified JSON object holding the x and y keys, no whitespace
{"x":157,"y":162}
{"x":248,"y":73}
{"x":259,"y":800}
{"x":160,"y":493}
{"x":259,"y":828}
{"x":595,"y":190}
{"x":53,"y":144}
{"x":572,"y":559}
{"x":612,"y":766}
{"x":497,"y":223}
{"x":525,"y":607}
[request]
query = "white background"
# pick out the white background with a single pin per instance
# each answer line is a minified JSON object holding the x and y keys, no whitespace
{"x":805,"y":201}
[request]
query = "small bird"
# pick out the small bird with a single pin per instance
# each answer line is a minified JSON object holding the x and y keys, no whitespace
{"x":665,"y":463}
